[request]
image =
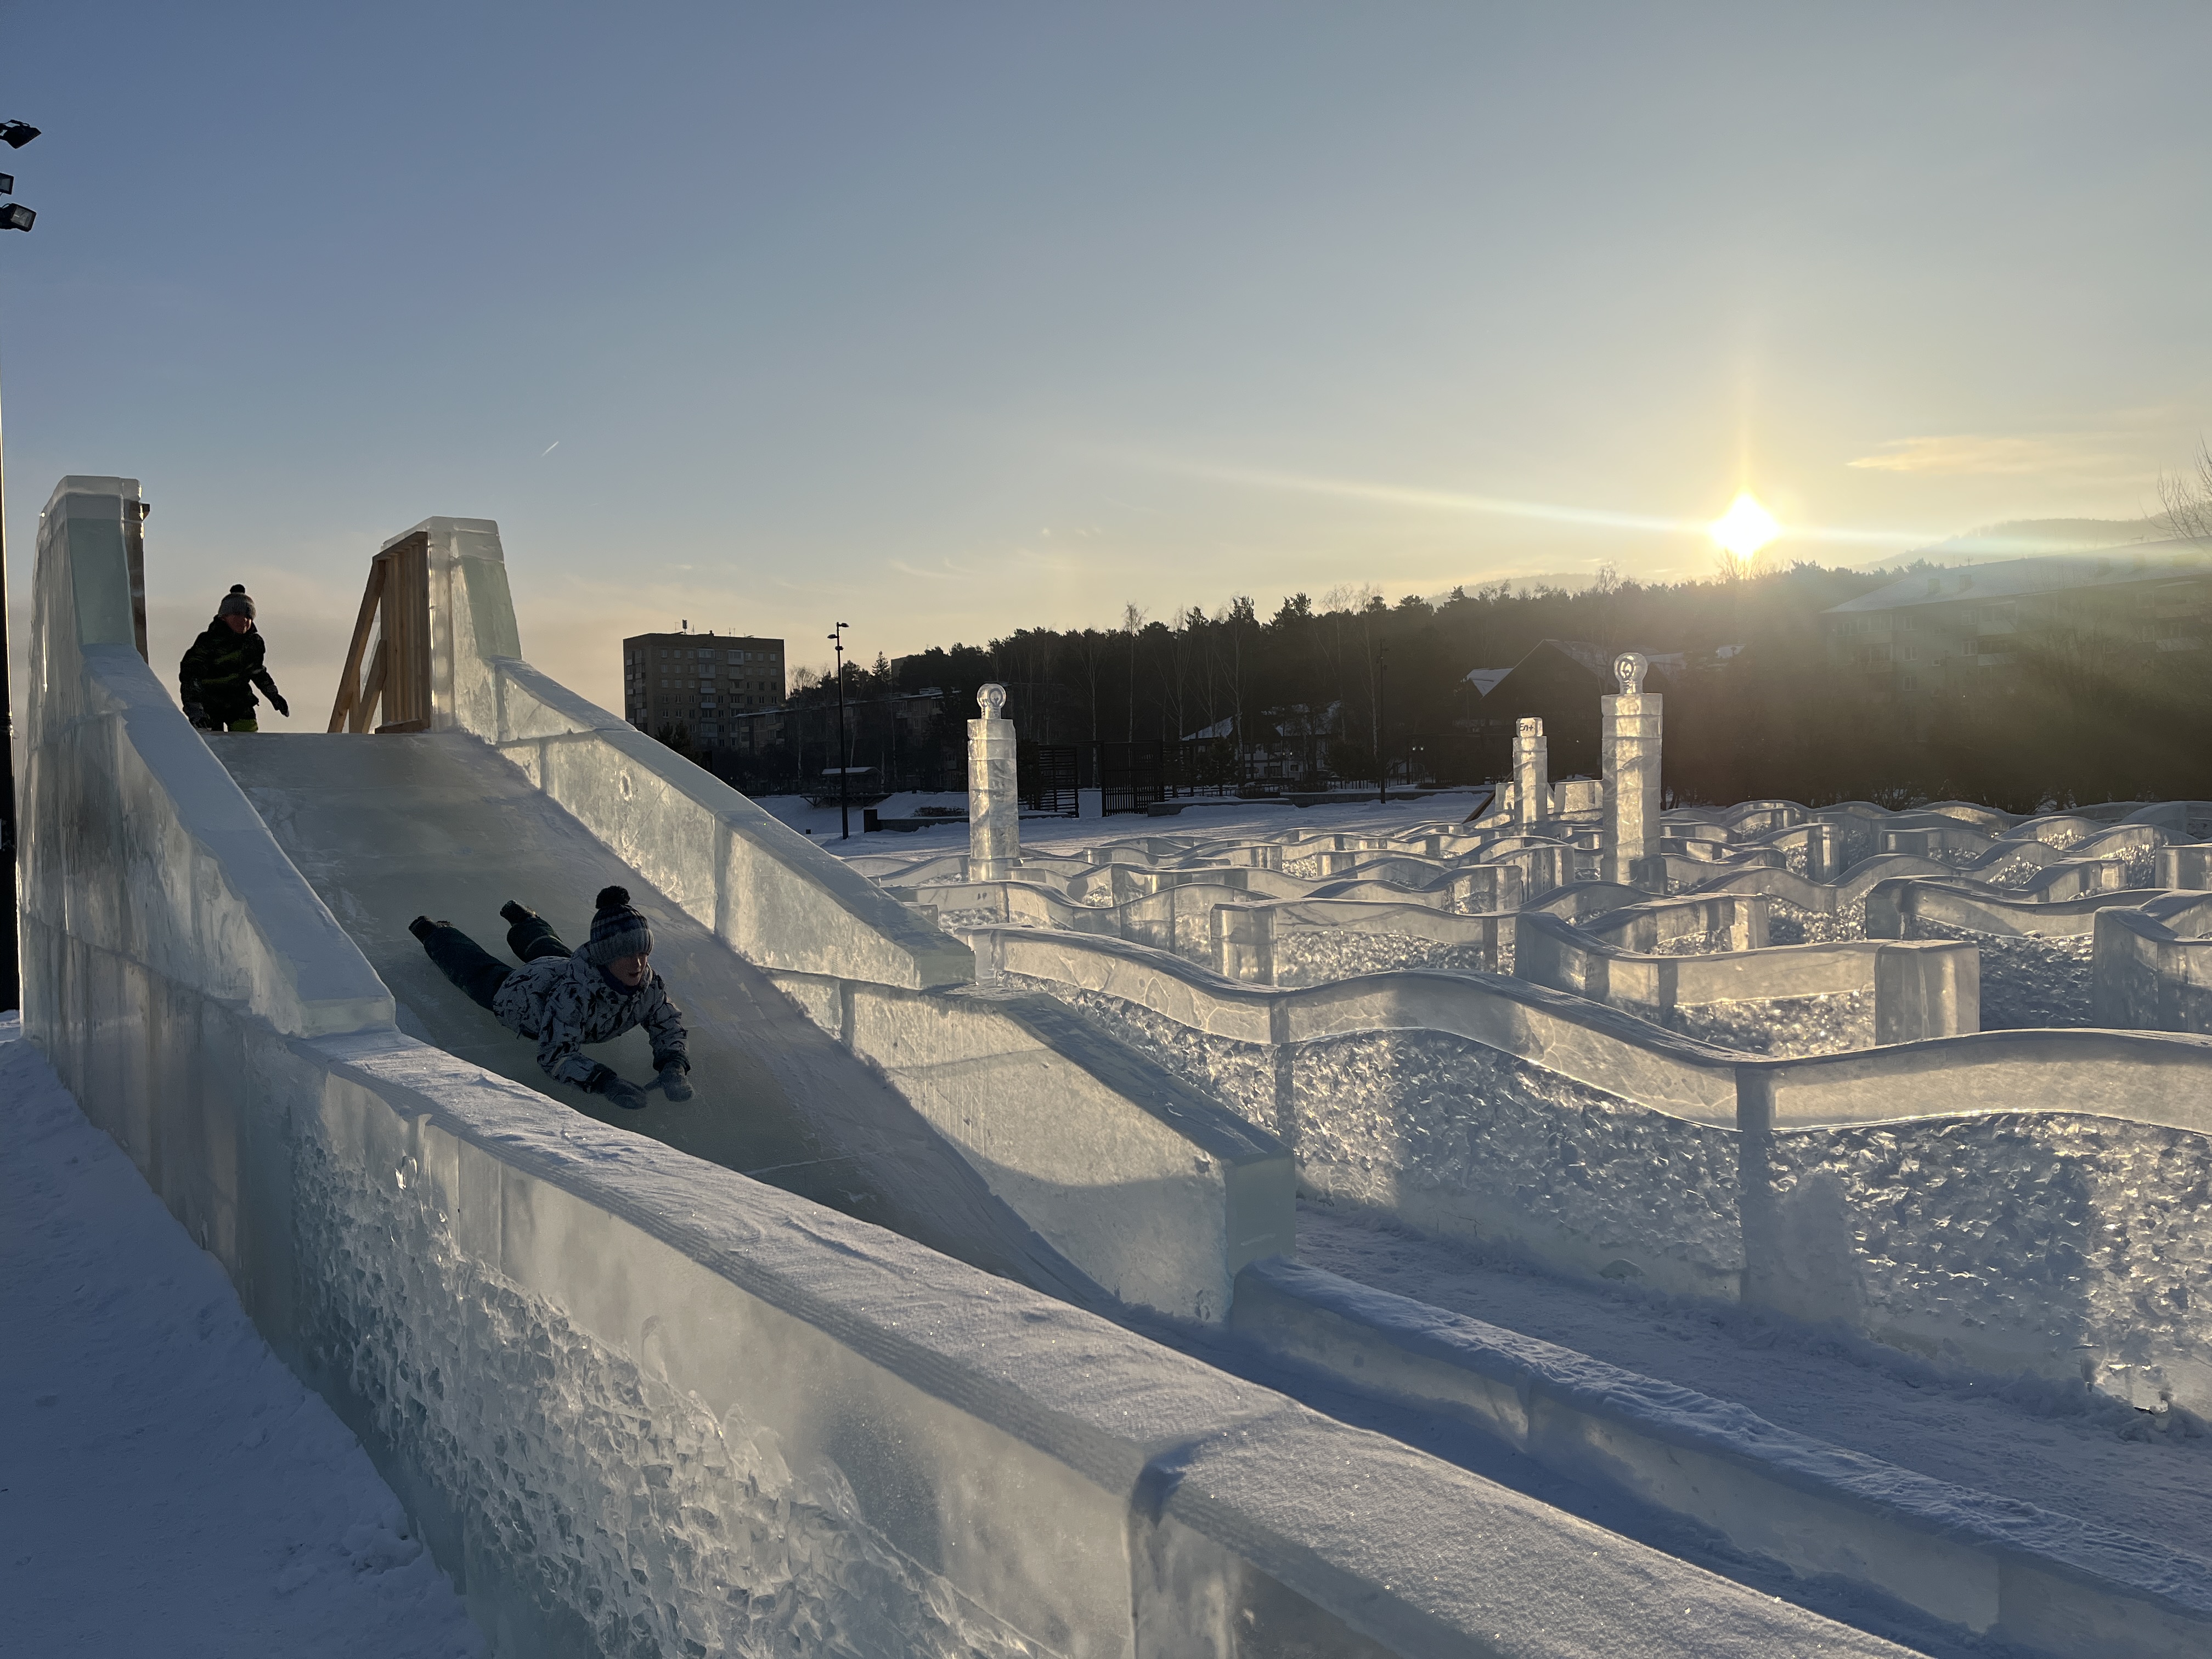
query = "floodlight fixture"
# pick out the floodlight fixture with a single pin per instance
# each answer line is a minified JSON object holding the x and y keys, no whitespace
{"x":16,"y":216}
{"x":16,"y":134}
{"x":7,"y":184}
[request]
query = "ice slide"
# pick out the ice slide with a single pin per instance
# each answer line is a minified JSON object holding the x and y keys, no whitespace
{"x":632,"y":1400}
{"x":389,"y":828}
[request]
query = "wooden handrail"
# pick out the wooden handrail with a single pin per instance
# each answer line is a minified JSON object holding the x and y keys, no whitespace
{"x":395,"y":608}
{"x":349,"y":677}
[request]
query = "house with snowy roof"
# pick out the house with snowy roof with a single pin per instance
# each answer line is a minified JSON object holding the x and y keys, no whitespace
{"x":1559,"y":681}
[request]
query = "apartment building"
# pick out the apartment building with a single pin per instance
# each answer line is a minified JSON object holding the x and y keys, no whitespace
{"x":1950,"y":631}
{"x":701,"y":681}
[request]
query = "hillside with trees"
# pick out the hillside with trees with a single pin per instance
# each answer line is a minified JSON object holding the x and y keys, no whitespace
{"x":1340,"y":690}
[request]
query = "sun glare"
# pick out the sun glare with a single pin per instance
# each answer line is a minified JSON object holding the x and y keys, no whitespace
{"x":1745,"y":527}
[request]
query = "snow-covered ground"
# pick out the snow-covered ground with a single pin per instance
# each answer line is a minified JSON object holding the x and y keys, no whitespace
{"x":2064,"y":1449}
{"x":166,"y":1485}
{"x":1069,"y":835}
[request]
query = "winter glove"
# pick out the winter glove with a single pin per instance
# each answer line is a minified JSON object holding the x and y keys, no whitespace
{"x":603,"y":1081}
{"x":624,"y":1094}
{"x":197,"y":715}
{"x":674,"y":1083}
{"x":276,"y":701}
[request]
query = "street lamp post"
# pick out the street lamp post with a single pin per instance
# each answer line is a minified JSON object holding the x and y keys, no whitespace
{"x":14,"y":217}
{"x":844,"y":766}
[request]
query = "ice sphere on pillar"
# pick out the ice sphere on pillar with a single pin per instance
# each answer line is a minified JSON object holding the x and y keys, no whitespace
{"x":1628,"y":744}
{"x":995,"y":822}
{"x":1532,"y":782}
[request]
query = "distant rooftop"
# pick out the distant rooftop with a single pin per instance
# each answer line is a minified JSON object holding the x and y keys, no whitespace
{"x":2010,"y":579}
{"x":1595,"y":658}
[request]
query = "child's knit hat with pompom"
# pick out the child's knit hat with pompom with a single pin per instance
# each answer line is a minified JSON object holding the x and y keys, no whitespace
{"x":619,"y":929}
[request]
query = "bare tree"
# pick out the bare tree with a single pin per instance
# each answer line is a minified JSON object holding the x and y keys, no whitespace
{"x":1133,"y":623}
{"x":1091,"y":651}
{"x":2187,"y":497}
{"x":1733,"y":566}
{"x":1239,"y":616}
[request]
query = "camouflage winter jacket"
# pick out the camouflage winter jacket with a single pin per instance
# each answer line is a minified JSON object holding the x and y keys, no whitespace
{"x":219,"y":668}
{"x":565,"y":1002}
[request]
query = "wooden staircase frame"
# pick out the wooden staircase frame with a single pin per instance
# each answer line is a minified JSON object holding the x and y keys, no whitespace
{"x":398,"y":604}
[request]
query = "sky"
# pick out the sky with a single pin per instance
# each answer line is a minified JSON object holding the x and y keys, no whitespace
{"x":944,"y":320}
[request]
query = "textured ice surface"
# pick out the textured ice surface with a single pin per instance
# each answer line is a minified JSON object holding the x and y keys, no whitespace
{"x":1315,"y":956}
{"x":1792,"y":924}
{"x":666,"y":1531}
{"x":2061,"y":1445}
{"x":170,"y":1487}
{"x":2028,"y":979}
{"x":1469,"y":1142}
{"x":2022,"y":1233}
{"x":1785,"y":1027}
{"x":2015,"y":871}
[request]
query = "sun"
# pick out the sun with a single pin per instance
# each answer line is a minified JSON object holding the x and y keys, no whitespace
{"x":1745,"y":527}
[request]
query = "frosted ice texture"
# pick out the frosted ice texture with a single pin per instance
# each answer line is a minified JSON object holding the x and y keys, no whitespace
{"x":2001,"y":1239}
{"x":1317,"y":956}
{"x":661,"y":1529}
{"x":2028,"y":980}
{"x":1465,"y":1141}
{"x":1793,"y":924}
{"x":1784,"y":1027}
{"x":2015,"y":871}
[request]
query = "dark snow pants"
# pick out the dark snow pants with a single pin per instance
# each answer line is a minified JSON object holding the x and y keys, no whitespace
{"x":479,"y":973}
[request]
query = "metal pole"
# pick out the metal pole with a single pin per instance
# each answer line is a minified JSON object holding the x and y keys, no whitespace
{"x":844,"y":766}
{"x":16,"y":134}
{"x":11,"y":974}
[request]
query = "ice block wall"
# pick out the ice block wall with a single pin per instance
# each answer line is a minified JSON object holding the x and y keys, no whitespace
{"x":1595,"y":1143}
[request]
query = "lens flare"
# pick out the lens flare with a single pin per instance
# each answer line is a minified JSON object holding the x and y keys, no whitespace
{"x":1745,"y":527}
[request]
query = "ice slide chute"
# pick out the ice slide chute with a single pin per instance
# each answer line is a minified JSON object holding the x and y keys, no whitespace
{"x":388,"y":829}
{"x":483,"y":780}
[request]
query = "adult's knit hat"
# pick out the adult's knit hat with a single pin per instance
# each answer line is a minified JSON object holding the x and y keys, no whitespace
{"x":619,"y":929}
{"x":236,"y":604}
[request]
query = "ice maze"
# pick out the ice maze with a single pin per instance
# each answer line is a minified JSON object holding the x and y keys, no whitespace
{"x":894,"y":1341}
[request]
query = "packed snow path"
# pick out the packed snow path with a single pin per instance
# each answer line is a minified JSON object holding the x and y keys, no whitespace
{"x":167,"y":1486}
{"x":440,"y":825}
{"x":2067,"y":1450}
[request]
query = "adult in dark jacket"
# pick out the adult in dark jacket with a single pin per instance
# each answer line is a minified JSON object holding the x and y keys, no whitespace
{"x":566,"y":1000}
{"x":216,"y":679}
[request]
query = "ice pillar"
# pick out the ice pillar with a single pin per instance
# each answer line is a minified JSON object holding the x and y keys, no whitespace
{"x":1629,"y":741}
{"x":1532,"y":783}
{"x":1823,"y":851}
{"x":994,"y":807}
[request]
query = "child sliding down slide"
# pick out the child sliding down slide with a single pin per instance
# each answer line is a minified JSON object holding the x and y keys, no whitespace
{"x":566,"y":1000}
